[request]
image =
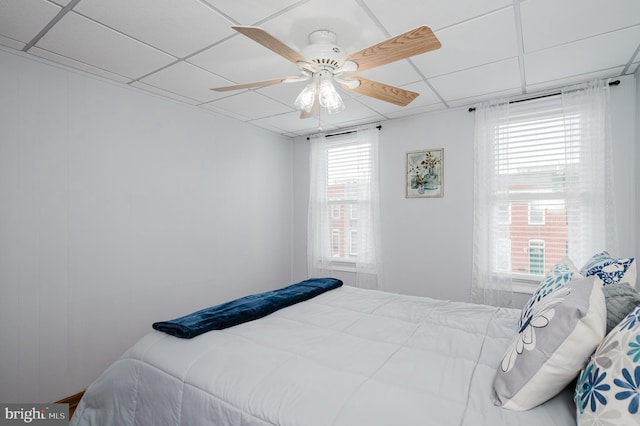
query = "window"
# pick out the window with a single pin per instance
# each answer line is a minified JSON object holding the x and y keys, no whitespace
{"x":537,"y":163}
{"x":343,"y":177}
{"x":335,"y":243}
{"x":353,"y":242}
{"x":541,"y":167}
{"x":536,"y":213}
{"x":504,"y":214}
{"x":335,"y":211}
{"x":354,"y":212}
{"x":348,"y":176}
{"x":536,"y":257}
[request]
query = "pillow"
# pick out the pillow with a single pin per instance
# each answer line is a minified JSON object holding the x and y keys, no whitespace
{"x":620,"y":299}
{"x":560,"y":327}
{"x":608,"y":388}
{"x":610,"y":270}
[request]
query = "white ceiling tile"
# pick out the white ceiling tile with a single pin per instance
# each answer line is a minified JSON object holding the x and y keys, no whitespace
{"x":285,"y":92}
{"x":354,"y":28}
{"x":500,"y":94}
{"x":496,"y":77}
{"x":398,"y":18}
{"x":36,"y":51}
{"x":188,"y":80}
{"x":221,"y":111}
{"x":354,"y":112}
{"x":267,"y":126}
{"x":164,"y":93}
{"x":22,"y":20}
{"x":396,"y":73}
{"x":556,"y":84}
{"x":143,"y":39}
{"x":251,"y":105}
{"x":83,"y":40}
{"x":357,"y":122}
{"x":480,"y":41}
{"x":249,"y":12}
{"x":187,"y":26}
{"x":242,"y":60}
{"x":589,"y":55}
{"x":547,"y":23}
{"x":417,"y":111}
{"x":9,"y":42}
{"x":292,"y":123}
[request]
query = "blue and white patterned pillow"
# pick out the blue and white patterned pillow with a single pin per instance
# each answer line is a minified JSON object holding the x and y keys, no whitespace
{"x":610,"y":270}
{"x":559,"y":328}
{"x":608,"y":388}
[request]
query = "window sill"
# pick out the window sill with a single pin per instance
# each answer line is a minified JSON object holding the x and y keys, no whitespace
{"x":525,"y":285}
{"x":342,"y":266}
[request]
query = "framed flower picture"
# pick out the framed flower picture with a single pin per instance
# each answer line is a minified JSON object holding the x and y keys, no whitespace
{"x":425,"y":174}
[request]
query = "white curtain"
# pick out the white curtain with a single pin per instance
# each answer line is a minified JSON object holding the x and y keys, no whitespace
{"x":344,"y":177}
{"x":491,"y":280}
{"x":553,"y":153}
{"x":595,"y":228}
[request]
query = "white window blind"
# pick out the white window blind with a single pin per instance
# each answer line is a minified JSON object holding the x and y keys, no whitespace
{"x":542,"y":187}
{"x":349,"y":171}
{"x":537,"y":163}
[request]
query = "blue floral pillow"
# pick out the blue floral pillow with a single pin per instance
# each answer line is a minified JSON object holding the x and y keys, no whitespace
{"x":608,"y":388}
{"x":559,"y":328}
{"x":610,"y":270}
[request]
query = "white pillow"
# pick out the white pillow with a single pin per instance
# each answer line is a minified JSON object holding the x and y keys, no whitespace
{"x":608,"y":388}
{"x":560,"y":327}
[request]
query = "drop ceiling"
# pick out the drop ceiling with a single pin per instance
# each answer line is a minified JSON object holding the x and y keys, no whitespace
{"x":180,"y":49}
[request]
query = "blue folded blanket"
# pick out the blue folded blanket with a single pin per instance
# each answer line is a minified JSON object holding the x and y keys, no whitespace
{"x":245,"y":309}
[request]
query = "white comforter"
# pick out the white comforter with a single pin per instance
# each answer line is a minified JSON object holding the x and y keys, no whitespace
{"x":348,"y":357}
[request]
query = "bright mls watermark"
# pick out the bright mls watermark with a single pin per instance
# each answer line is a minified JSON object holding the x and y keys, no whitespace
{"x":36,"y":414}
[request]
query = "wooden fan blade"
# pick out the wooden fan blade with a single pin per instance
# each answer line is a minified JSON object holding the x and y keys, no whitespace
{"x":270,"y":42}
{"x":411,"y":43}
{"x":382,"y":91}
{"x":249,"y":85}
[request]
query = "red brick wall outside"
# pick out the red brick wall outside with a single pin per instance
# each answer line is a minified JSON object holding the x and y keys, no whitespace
{"x":554,"y":233}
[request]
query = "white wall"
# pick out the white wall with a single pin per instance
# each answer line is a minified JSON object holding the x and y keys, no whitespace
{"x":118,"y":209}
{"x":636,"y":174}
{"x":623,"y":129}
{"x":427,"y":243}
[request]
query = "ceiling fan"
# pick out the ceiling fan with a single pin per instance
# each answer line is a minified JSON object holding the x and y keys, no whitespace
{"x":323,"y":62}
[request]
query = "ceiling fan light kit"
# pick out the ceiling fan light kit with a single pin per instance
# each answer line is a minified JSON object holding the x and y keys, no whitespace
{"x":324,"y":62}
{"x":322,"y":90}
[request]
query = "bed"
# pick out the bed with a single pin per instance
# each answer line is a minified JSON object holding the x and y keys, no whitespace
{"x":348,"y":357}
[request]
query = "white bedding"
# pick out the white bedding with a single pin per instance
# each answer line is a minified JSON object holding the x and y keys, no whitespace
{"x":347,"y":357}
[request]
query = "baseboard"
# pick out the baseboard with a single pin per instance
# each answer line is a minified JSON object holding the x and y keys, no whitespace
{"x":73,"y":401}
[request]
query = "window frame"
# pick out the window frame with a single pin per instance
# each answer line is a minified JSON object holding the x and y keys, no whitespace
{"x":526,"y":282}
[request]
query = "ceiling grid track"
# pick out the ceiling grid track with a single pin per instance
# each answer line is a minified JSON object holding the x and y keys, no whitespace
{"x":50,"y":25}
{"x":520,"y":41}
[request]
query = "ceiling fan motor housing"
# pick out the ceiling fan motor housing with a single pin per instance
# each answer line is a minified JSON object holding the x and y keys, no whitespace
{"x":322,"y":49}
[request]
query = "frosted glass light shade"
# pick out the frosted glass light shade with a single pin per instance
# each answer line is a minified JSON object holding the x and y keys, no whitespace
{"x":329,"y":97}
{"x":305,"y":99}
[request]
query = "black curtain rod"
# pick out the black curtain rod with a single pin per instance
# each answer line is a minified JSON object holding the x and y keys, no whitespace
{"x":613,"y":83}
{"x":379,"y":126}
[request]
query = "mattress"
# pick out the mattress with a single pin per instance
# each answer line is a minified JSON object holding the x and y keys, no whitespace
{"x":348,"y":357}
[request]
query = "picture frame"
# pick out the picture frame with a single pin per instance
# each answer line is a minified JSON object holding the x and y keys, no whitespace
{"x":425,"y":174}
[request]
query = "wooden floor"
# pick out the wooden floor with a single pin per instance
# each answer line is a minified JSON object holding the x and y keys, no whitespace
{"x":73,"y":401}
